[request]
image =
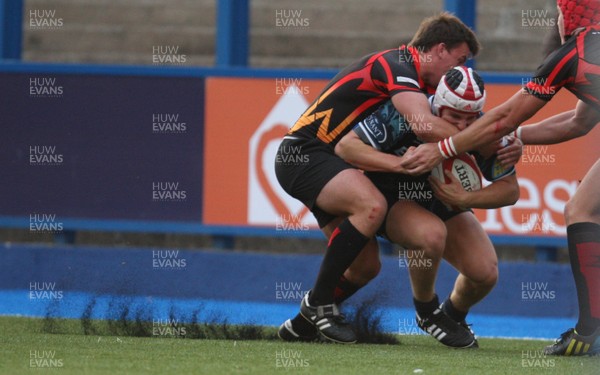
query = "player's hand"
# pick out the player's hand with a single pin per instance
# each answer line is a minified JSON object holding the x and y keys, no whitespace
{"x":399,"y":168}
{"x":490,"y":149}
{"x":510,"y":154}
{"x":452,"y":193}
{"x":422,"y":159}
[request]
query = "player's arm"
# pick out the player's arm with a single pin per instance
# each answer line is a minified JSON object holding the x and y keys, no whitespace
{"x":501,"y":120}
{"x":562,"y":127}
{"x":355,"y":151}
{"x":492,"y":125}
{"x":416,"y":110}
{"x":500,"y":193}
{"x":402,"y":83}
{"x":550,"y":76}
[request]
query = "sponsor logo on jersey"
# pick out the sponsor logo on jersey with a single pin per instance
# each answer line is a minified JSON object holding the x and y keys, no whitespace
{"x":376,"y":128}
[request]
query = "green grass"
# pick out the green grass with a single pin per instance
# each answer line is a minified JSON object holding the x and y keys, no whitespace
{"x":77,"y":353}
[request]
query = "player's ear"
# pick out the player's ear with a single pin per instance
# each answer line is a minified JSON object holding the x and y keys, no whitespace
{"x":441,"y":48}
{"x":436,"y":50}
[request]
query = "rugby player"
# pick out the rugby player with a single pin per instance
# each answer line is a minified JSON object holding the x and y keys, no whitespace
{"x":427,"y":224}
{"x":434,"y":229}
{"x":346,"y":204}
{"x":575,"y":65}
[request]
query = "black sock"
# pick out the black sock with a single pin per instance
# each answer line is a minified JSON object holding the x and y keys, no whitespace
{"x":584,"y":253}
{"x":345,"y":244}
{"x":344,"y":290}
{"x":456,"y":315}
{"x":424,"y":309}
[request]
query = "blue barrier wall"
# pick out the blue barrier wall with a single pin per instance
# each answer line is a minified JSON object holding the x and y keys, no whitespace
{"x":256,"y":288}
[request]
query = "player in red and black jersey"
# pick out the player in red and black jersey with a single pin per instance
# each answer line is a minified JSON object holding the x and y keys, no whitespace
{"x":357,"y":90}
{"x":575,"y":65}
{"x":332,"y":188}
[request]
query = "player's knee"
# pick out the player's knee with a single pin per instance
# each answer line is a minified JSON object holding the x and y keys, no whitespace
{"x":434,"y":241}
{"x":577,"y":211}
{"x":491,"y":277}
{"x":375,"y":209}
{"x":378,"y":208}
{"x":573,"y":211}
{"x":486,"y":275}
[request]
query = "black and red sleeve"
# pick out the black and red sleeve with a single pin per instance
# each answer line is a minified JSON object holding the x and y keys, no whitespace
{"x":559,"y":69}
{"x":393,"y":74}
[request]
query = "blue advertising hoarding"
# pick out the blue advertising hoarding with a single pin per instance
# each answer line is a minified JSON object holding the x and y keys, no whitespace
{"x":101,"y":147}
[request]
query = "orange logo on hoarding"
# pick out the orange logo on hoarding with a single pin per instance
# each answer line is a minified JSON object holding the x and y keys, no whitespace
{"x":240,"y":186}
{"x":539,"y":210}
{"x":268,"y":203}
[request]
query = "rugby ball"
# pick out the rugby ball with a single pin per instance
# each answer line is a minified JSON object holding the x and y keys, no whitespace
{"x":464,"y":168}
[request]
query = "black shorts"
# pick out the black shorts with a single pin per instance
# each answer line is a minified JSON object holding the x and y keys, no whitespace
{"x":303,"y":167}
{"x":396,"y":187}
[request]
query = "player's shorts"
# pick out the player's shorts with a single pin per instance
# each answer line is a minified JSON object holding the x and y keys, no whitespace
{"x":396,"y":187}
{"x":303,"y":167}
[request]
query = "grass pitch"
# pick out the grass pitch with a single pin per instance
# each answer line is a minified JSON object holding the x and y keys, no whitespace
{"x":27,"y":348}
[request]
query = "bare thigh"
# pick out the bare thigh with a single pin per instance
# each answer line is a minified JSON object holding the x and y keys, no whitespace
{"x":351,"y":194}
{"x":413,"y":227}
{"x":469,"y":249}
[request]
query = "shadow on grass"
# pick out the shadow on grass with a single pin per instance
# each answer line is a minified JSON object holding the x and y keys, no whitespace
{"x":126,"y":319}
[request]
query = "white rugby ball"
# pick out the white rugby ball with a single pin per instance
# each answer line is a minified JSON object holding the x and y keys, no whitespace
{"x":464,"y":168}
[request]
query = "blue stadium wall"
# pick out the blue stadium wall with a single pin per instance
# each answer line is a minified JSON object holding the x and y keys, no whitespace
{"x":530,"y":300}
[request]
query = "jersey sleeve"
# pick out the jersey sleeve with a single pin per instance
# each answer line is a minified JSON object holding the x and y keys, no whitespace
{"x":394,"y":73}
{"x":491,"y":169}
{"x":559,"y":69}
{"x":383,"y":128}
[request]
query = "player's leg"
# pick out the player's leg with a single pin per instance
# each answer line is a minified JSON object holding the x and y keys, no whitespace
{"x":470,"y":251}
{"x":364,"y":268}
{"x":352,"y":195}
{"x":328,"y":185}
{"x":348,"y":194}
{"x":412,"y":226}
{"x":582,"y":216}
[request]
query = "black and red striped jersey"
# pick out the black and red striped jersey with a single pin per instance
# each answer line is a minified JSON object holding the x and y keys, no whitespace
{"x":357,"y":91}
{"x":575,"y":66}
